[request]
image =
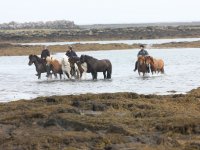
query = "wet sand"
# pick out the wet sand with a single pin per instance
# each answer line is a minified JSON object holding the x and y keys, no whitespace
{"x":102,"y":121}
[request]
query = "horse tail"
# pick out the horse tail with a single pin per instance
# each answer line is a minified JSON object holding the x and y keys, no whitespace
{"x":163,"y":70}
{"x":162,"y":67}
{"x":109,"y":70}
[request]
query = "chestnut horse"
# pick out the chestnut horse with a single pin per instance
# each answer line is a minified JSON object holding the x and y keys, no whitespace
{"x":66,"y":68}
{"x":142,"y":66}
{"x":56,"y":65}
{"x":157,"y":65}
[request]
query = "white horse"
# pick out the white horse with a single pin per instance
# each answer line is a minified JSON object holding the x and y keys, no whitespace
{"x":66,"y":68}
{"x":84,"y":66}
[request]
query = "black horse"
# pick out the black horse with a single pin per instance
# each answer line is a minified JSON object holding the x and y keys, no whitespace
{"x":39,"y":63}
{"x":94,"y":65}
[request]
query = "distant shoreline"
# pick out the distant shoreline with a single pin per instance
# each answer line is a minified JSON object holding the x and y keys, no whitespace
{"x":95,"y":33}
{"x":7,"y":49}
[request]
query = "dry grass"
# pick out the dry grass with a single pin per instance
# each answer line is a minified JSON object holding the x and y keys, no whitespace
{"x":7,"y":49}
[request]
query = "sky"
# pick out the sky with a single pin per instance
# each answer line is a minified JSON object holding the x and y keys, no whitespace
{"x":100,"y":11}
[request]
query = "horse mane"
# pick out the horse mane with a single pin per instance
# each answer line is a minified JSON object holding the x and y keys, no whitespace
{"x":151,"y":58}
{"x":90,"y":57}
{"x":38,"y":58}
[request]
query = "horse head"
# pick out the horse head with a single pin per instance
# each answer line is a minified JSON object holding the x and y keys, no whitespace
{"x":83,"y":58}
{"x":32,"y":59}
{"x":149,"y":60}
{"x":141,"y":60}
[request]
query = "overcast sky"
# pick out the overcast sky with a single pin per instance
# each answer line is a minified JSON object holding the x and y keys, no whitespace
{"x":100,"y":11}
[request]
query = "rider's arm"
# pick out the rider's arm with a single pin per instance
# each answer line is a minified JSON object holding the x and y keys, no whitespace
{"x":147,"y":53}
{"x":138,"y":54}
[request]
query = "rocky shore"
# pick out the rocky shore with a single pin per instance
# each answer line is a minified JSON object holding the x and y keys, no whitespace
{"x":102,"y":121}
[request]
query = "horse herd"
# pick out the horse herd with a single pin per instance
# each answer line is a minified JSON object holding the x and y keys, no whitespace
{"x":78,"y":66}
{"x":73,"y":66}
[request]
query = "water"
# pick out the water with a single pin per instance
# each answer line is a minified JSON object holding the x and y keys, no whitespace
{"x":129,"y":42}
{"x":182,"y":66}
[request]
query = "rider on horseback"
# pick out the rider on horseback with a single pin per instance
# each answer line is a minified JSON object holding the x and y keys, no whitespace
{"x":45,"y":53}
{"x":142,"y":52}
{"x":71,"y":52}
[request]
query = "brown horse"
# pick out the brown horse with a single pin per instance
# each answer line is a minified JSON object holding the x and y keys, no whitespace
{"x":157,"y":65}
{"x":142,"y":66}
{"x":40,"y":65}
{"x":78,"y":67}
{"x":56,"y":65}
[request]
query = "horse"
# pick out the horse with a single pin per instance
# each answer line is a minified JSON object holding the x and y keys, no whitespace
{"x":39,"y":63}
{"x":94,"y":65}
{"x":142,"y":67}
{"x":66,"y":68}
{"x":79,"y":68}
{"x":56,"y":65}
{"x":157,"y":65}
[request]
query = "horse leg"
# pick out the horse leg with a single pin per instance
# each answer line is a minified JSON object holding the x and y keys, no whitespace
{"x":143,"y":74}
{"x":162,"y":70}
{"x":81,"y":73}
{"x":39,"y":75}
{"x":104,"y":74}
{"x":96,"y":75}
{"x":55,"y":75}
{"x":92,"y":75}
{"x":109,"y":72}
{"x":78,"y":74}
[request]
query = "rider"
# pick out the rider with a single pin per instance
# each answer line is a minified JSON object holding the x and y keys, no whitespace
{"x":71,"y":52}
{"x":142,"y":52}
{"x":45,"y":53}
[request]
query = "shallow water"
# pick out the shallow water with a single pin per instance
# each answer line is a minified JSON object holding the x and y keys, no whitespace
{"x":129,"y":42}
{"x":18,"y":80}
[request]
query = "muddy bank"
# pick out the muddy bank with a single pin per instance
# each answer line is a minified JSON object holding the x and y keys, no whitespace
{"x":7,"y":49}
{"x":102,"y":121}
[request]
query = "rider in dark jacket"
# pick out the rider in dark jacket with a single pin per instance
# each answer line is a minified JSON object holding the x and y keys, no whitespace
{"x":142,"y":52}
{"x":45,"y":53}
{"x":71,"y":52}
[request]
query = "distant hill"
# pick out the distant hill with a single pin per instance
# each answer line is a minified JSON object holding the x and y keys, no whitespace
{"x":58,"y":24}
{"x":163,"y":24}
{"x":65,"y":24}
